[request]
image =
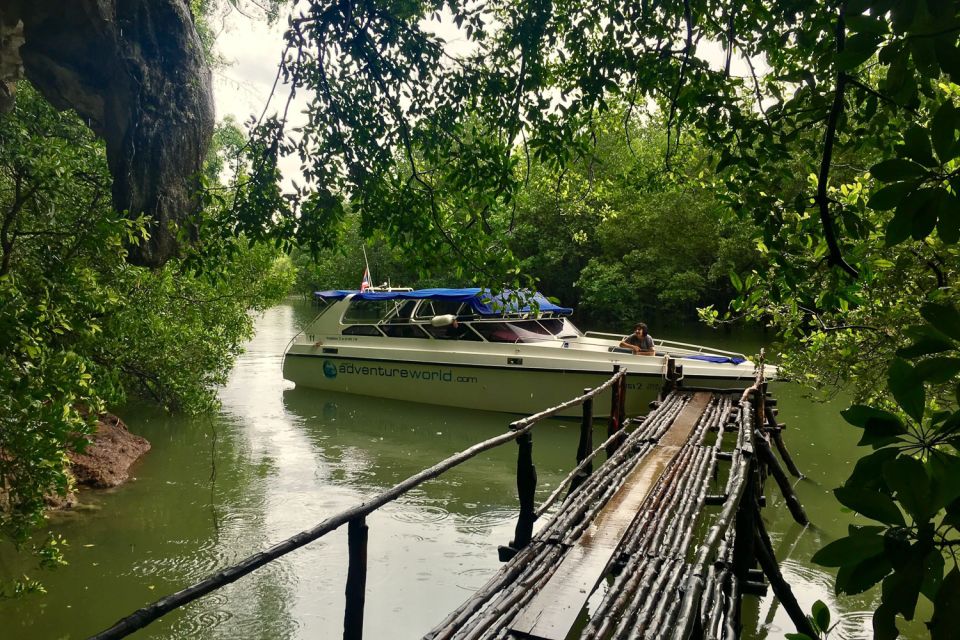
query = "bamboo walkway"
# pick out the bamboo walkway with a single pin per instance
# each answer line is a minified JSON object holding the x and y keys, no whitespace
{"x":643,"y":539}
{"x":661,"y":541}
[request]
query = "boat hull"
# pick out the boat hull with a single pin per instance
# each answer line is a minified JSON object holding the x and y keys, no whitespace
{"x":490,"y":388}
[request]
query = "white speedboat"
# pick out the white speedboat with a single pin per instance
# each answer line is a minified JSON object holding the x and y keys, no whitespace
{"x":466,"y":348}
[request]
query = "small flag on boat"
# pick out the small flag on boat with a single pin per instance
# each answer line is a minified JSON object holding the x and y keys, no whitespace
{"x":365,"y":283}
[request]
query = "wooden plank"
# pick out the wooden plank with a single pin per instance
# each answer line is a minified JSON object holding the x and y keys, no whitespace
{"x":552,"y":612}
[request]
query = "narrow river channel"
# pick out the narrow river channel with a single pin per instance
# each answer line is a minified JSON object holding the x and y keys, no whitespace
{"x":277,"y":460}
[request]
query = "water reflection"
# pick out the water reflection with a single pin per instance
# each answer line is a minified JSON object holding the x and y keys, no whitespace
{"x":372,"y":443}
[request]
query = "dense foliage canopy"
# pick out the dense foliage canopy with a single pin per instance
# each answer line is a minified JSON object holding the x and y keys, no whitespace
{"x":599,"y":234}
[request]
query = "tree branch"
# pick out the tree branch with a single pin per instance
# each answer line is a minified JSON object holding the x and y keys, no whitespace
{"x":756,"y":88}
{"x":730,"y":44}
{"x":688,"y":18}
{"x":835,"y":256}
{"x":865,"y":87}
{"x":937,"y":271}
{"x":9,"y":218}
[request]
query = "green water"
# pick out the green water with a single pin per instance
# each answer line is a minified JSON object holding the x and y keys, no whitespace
{"x":278,"y":460}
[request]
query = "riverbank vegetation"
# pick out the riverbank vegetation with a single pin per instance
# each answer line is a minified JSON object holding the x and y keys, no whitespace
{"x":80,"y":328}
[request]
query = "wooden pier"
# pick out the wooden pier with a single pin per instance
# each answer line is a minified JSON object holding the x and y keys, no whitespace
{"x":661,"y":541}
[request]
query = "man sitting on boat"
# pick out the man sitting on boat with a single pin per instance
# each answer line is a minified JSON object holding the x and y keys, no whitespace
{"x":639,"y":341}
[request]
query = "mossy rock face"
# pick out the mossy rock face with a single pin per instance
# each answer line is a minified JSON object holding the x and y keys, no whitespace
{"x":135,"y":71}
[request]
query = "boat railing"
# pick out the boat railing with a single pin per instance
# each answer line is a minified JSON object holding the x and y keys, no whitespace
{"x":355,"y":517}
{"x":660,"y":342}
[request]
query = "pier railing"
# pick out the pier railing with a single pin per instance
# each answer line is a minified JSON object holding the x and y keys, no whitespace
{"x":640,"y":527}
{"x":355,"y":517}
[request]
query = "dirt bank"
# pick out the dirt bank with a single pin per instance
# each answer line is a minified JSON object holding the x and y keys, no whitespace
{"x":107,"y":459}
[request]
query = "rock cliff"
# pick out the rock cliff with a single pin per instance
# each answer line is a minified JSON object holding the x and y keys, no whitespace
{"x":135,"y":71}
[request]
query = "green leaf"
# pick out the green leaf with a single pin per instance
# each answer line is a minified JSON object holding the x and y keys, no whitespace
{"x":858,"y":49}
{"x":925,"y":214}
{"x":916,"y":215}
{"x":916,"y":146}
{"x":821,"y":616}
{"x":870,"y":503}
{"x":924,"y":56}
{"x":927,"y":340}
{"x":943,"y":624}
{"x":944,"y":469}
{"x":902,"y":588}
{"x":735,"y":280}
{"x":878,"y":438}
{"x":880,"y":427}
{"x":859,"y":415}
{"x":885,"y":622}
{"x":894,"y":169}
{"x":952,"y":517}
{"x":907,"y":388}
{"x":854,"y":579}
{"x":944,"y":318}
{"x":938,"y":370}
{"x":943,"y":131}
{"x":890,"y":52}
{"x":899,"y":229}
{"x":948,"y":57}
{"x":908,"y":479}
{"x":868,"y":472}
{"x":867,"y":24}
{"x":948,"y":220}
{"x":890,"y":196}
{"x":800,"y":203}
{"x":932,"y":574}
{"x":950,"y":425}
{"x":850,"y":550}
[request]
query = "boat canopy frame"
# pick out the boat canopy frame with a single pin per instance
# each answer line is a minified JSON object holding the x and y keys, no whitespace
{"x":483,"y":302}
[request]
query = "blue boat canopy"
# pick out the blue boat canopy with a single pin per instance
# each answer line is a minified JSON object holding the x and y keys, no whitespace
{"x":482,"y":301}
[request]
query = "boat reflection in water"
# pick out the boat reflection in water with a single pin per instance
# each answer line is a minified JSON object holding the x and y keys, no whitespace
{"x":468,"y":348}
{"x":376,"y":443}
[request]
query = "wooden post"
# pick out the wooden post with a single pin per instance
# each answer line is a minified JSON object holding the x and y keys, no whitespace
{"x":781,"y":588}
{"x":759,"y":420}
{"x":776,"y":434}
{"x":613,"y":422}
{"x":793,"y":502}
{"x":747,"y":514}
{"x":623,"y":400}
{"x":585,"y":447}
{"x":760,"y":397}
{"x":526,"y":490}
{"x":357,"y":531}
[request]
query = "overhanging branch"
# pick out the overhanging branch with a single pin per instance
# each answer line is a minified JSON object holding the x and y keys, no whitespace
{"x":835,"y":255}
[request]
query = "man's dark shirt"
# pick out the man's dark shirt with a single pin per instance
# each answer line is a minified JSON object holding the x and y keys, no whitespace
{"x":645,"y":343}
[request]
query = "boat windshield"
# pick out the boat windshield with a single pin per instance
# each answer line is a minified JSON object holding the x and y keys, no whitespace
{"x":377,"y":311}
{"x":430,"y":308}
{"x":411,"y":319}
{"x":525,"y":330}
{"x":560,"y":327}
